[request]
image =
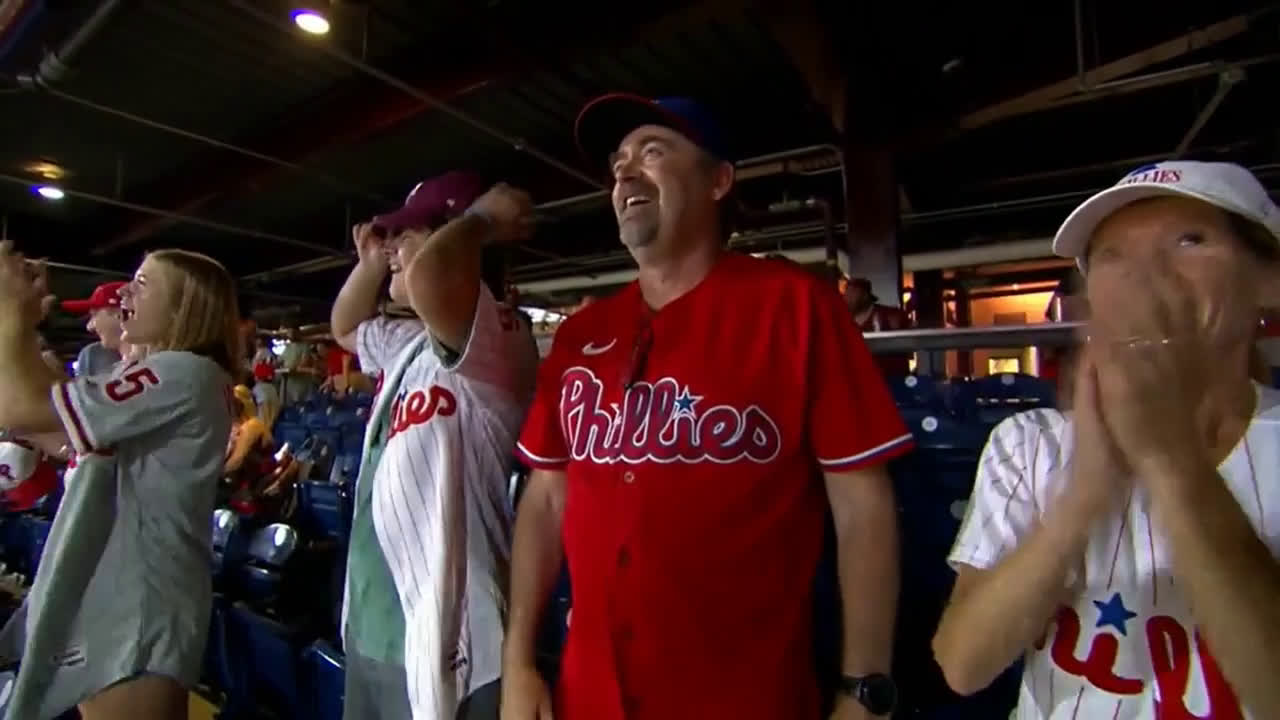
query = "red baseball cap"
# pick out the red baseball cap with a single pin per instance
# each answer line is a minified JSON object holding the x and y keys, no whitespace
{"x":434,"y":202}
{"x":104,"y":296}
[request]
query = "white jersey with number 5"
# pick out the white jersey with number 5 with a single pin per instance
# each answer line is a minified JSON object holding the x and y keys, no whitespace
{"x":1128,"y":648}
{"x":439,"y":499}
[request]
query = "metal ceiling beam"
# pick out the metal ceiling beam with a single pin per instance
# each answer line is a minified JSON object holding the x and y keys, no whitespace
{"x":57,"y":63}
{"x":1168,"y":50}
{"x":356,"y":110}
{"x":803,"y":37}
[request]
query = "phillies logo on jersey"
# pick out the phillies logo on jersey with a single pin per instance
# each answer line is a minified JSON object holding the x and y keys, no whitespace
{"x":1170,"y":648}
{"x":660,"y":422}
{"x":420,"y":407}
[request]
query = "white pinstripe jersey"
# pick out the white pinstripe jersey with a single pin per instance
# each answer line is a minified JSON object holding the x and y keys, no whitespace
{"x":439,"y":499}
{"x":1128,"y":647}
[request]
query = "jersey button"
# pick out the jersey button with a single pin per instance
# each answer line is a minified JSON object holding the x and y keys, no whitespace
{"x":628,"y":477}
{"x":624,"y":557}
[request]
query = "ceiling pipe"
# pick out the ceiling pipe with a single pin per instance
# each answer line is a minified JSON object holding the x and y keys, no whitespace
{"x":334,"y":51}
{"x":188,"y":219}
{"x":57,"y":63}
{"x":1226,"y":80}
{"x":330,"y":180}
{"x":1034,"y":249}
{"x":748,"y":169}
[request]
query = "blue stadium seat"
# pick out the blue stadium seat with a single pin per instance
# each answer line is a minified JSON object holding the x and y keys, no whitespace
{"x":346,"y":468}
{"x":290,"y":432}
{"x":555,"y":627}
{"x":352,"y":437}
{"x":266,"y":647}
{"x":988,"y":400}
{"x":939,"y":430}
{"x":36,"y":533}
{"x":919,"y":391}
{"x":230,"y":546}
{"x":324,"y":673}
{"x":322,"y":510}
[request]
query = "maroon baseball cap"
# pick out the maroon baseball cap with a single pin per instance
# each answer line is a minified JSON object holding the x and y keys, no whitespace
{"x":104,"y":296}
{"x":434,"y":202}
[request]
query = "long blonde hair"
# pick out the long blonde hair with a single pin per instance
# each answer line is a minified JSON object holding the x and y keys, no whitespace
{"x":206,"y":312}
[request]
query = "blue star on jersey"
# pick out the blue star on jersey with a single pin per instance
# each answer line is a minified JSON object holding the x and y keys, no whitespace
{"x":1114,"y":613}
{"x":685,"y":402}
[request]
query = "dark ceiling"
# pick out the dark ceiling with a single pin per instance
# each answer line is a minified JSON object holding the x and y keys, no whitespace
{"x":216,"y":125}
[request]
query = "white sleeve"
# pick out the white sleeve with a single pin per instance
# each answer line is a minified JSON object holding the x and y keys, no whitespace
{"x":1007,"y":490}
{"x":379,"y":340}
{"x":500,"y":349}
{"x":100,"y":411}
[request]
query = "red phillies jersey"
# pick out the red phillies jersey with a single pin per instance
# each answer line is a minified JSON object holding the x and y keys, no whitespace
{"x":694,"y":517}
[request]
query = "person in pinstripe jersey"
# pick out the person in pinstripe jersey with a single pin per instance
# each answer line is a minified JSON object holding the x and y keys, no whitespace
{"x":1129,"y":548}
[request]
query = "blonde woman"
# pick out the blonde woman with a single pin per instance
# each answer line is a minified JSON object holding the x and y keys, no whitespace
{"x":117,"y":619}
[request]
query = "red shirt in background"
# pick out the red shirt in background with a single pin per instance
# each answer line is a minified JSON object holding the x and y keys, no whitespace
{"x":333,"y":358}
{"x":882,"y":319}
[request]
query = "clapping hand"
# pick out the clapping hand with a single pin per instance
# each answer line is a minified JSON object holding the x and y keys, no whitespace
{"x":24,"y":290}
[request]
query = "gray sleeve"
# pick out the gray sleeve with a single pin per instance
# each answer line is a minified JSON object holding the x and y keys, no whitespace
{"x":100,"y":411}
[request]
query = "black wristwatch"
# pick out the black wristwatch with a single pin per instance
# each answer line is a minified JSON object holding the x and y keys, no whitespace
{"x":876,"y":692}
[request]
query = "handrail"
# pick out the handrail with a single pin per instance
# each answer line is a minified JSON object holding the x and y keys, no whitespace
{"x":970,"y":338}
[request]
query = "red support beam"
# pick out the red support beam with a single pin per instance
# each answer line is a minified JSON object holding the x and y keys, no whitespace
{"x":363,"y":107}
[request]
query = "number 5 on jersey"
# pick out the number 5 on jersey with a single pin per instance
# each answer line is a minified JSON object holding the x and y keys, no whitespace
{"x":132,"y":384}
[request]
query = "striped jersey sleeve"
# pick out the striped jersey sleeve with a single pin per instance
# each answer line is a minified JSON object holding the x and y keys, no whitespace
{"x":1022,"y":461}
{"x":100,"y":411}
{"x":852,"y":421}
{"x":380,"y":339}
{"x":500,"y":350}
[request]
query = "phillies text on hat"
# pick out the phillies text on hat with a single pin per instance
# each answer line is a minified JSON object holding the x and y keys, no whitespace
{"x":1226,"y":186}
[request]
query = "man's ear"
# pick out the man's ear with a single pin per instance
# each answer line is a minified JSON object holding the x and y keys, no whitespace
{"x":722,"y":180}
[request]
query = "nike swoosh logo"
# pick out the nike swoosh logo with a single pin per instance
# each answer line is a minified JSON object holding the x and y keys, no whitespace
{"x":591,"y":349}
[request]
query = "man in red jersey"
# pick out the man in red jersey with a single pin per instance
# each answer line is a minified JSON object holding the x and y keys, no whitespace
{"x":676,"y":437}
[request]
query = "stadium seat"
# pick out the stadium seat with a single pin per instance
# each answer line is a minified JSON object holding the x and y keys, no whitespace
{"x":988,"y":400}
{"x":323,"y":673}
{"x":230,"y":546}
{"x":321,"y":510}
{"x":919,"y":391}
{"x":267,"y":647}
{"x":35,"y":534}
{"x":295,"y":434}
{"x":555,"y":627}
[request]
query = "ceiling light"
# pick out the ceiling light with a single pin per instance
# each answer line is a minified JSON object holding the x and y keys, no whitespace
{"x":45,"y":170}
{"x":311,"y":22}
{"x":50,"y":192}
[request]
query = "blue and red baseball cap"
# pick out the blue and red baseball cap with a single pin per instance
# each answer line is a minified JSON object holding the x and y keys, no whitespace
{"x":434,"y":202}
{"x":605,"y":121}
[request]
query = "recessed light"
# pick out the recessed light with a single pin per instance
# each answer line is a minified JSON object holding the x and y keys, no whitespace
{"x":45,"y":170}
{"x":50,"y":192}
{"x":311,"y":21}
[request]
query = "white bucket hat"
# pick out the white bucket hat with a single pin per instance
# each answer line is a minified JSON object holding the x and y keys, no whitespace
{"x":1224,"y":185}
